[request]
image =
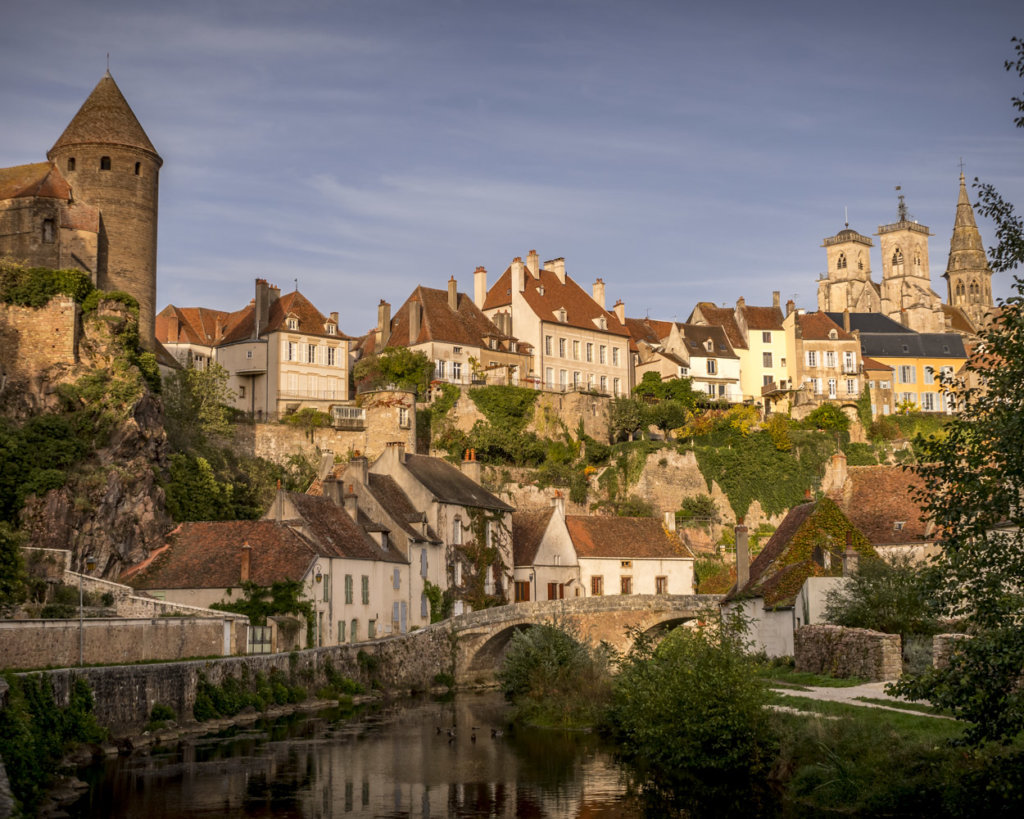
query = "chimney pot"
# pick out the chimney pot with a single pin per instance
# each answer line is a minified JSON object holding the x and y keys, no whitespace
{"x":775,"y":299}
{"x":453,"y":294}
{"x":480,"y":286}
{"x":533,"y":263}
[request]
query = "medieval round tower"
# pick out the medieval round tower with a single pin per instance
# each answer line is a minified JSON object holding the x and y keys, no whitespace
{"x":110,"y":163}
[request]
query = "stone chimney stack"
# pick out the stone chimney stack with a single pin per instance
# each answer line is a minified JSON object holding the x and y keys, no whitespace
{"x":670,"y":520}
{"x":262,"y":308}
{"x":775,"y":299}
{"x":558,"y":501}
{"x":361,"y":465}
{"x":742,"y":556}
{"x":533,"y":263}
{"x":334,"y":317}
{"x":172,"y":327}
{"x":453,"y":294}
{"x":351,"y":502}
{"x":557,"y":266}
{"x":790,"y":306}
{"x":274,"y":292}
{"x":415,"y":317}
{"x":480,"y":287}
{"x":246,"y":569}
{"x":599,"y":293}
{"x":851,"y":559}
{"x":741,"y":303}
{"x":332,"y":489}
{"x":398,"y":447}
{"x":471,"y":466}
{"x":518,"y":274}
{"x":620,"y":311}
{"x":846,"y":319}
{"x":383,"y":324}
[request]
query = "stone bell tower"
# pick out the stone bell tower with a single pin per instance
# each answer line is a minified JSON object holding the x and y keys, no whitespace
{"x":110,"y":163}
{"x":968,"y":275}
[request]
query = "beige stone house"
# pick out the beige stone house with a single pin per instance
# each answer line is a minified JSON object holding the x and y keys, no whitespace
{"x":824,"y":361}
{"x":576,"y":344}
{"x":191,"y":334}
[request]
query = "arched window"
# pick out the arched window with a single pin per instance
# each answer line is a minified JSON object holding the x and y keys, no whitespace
{"x":897,"y":258}
{"x":104,"y":163}
{"x":457,"y":531}
{"x":48,"y":231}
{"x":71,"y":163}
{"x":841,"y":262}
{"x":138,"y":168}
{"x":860,"y":261}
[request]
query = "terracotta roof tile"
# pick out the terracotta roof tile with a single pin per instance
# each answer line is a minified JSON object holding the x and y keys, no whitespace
{"x":762,"y":318}
{"x":527,"y":534}
{"x":38,"y":179}
{"x":881,"y":502}
{"x":871,"y":364}
{"x":334,"y":533}
{"x":816,"y":327}
{"x":105,"y":117}
{"x":724,"y":317}
{"x":311,"y":321}
{"x":438,"y":322}
{"x":622,"y":537}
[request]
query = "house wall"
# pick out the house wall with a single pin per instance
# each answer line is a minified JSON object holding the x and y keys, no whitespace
{"x":771,"y":631}
{"x":752,"y":369}
{"x":573,"y":362}
{"x":809,"y":608}
{"x":644,"y":571}
{"x":495,"y":366}
{"x":912,"y":385}
{"x":331,"y":606}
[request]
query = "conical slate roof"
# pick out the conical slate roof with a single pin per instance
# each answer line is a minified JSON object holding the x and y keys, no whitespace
{"x":966,"y":252}
{"x":105,"y":118}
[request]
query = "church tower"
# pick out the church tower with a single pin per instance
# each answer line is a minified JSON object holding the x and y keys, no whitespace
{"x":907,"y":294}
{"x":967,"y":274}
{"x":110,"y":163}
{"x":847,"y":285}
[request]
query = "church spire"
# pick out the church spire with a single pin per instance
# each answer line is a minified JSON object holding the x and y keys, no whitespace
{"x":967,"y":272}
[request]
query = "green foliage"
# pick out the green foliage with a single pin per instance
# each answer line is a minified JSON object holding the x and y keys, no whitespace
{"x":196,"y":406}
{"x":13,"y":577}
{"x":431,"y":421}
{"x":440,"y":603}
{"x":194,"y":493}
{"x":554,"y":678}
{"x":777,"y":426}
{"x":626,"y":417}
{"x":35,"y":733}
{"x":35,"y":286}
{"x":690,"y":715}
{"x":234,"y":694}
{"x":883,"y":596}
{"x":860,"y":455}
{"x":394,"y":367}
{"x":864,"y":408}
{"x":505,"y":407}
{"x":828,"y":417}
{"x":700,"y":508}
{"x":161,"y":712}
{"x":674,"y":389}
{"x":668,"y":415}
{"x":260,"y":602}
{"x":712,"y":575}
{"x":309,"y":420}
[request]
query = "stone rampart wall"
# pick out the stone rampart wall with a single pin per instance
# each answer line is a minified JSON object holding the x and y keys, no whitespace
{"x":848,"y":652}
{"x":551,"y":410}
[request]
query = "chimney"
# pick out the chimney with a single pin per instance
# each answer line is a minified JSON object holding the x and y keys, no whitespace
{"x":262,"y":307}
{"x":415,"y":318}
{"x":453,"y":293}
{"x":218,"y":329}
{"x":172,"y":327}
{"x":599,"y":293}
{"x":741,"y":303}
{"x":775,"y":299}
{"x":851,"y":560}
{"x":480,"y":287}
{"x":398,"y":447}
{"x":518,"y":278}
{"x":383,"y":324}
{"x":533,"y":263}
{"x":246,"y":569}
{"x":557,"y":266}
{"x":670,"y":520}
{"x":334,"y":317}
{"x":326,"y":465}
{"x":471,"y":466}
{"x":351,"y":502}
{"x":846,"y":319}
{"x":361,"y":465}
{"x":790,"y":306}
{"x":558,"y":501}
{"x":742,"y":556}
{"x":620,"y":311}
{"x":332,"y":489}
{"x":274,"y":293}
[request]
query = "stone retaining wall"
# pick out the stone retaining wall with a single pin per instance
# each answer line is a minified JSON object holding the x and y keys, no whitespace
{"x":848,"y":652}
{"x":944,"y":645}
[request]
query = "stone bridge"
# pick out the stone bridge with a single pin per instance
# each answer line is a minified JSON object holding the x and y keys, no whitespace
{"x":483,"y":636}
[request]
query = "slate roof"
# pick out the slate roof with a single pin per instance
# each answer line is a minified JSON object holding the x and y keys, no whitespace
{"x":816,"y":327}
{"x":877,"y":498}
{"x":450,"y":485}
{"x":335,"y":533}
{"x":581,"y":309}
{"x":628,"y":538}
{"x":916,"y":345}
{"x":870,"y":323}
{"x":527,"y":534}
{"x":105,"y":117}
{"x":725,"y":318}
{"x":208,"y":555}
{"x":311,"y":321}
{"x":697,"y":335}
{"x":38,"y":179}
{"x":438,"y":322}
{"x":396,"y":503}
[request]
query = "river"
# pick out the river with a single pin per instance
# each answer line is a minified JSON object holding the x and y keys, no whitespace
{"x":387,"y":761}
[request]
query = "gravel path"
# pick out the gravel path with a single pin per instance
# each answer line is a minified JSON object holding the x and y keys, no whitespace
{"x":849,"y":695}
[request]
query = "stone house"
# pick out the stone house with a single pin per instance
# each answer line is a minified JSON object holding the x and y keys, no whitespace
{"x":474,"y":526}
{"x":878,"y":377}
{"x":814,"y":544}
{"x":546,"y":566}
{"x":576,"y":344}
{"x":824,"y":361}
{"x":191,"y":334}
{"x":446,"y":326}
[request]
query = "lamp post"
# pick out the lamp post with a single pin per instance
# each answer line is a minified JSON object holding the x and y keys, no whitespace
{"x":90,"y":564}
{"x":319,"y":577}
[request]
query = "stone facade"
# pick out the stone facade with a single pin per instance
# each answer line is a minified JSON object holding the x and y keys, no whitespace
{"x":848,"y":652}
{"x":34,"y":341}
{"x":943,"y":645}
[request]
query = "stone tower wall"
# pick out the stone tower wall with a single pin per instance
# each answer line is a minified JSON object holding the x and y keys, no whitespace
{"x":127,"y":202}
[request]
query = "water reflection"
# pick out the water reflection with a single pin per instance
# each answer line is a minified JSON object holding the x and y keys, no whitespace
{"x":426,"y":759}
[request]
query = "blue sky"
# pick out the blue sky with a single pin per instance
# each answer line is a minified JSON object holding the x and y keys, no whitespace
{"x":681,"y":151}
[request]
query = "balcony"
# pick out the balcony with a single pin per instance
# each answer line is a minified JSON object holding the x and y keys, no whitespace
{"x":351,"y":418}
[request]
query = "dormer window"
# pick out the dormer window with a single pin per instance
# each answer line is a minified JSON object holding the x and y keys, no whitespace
{"x":602,"y":323}
{"x":332,"y":329}
{"x":562,"y":315}
{"x":709,"y":345}
{"x":898,"y":525}
{"x":832,"y":334}
{"x":293,"y":323}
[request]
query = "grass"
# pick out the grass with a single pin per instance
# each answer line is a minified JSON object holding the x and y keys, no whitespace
{"x":905,"y":706}
{"x":786,"y":676}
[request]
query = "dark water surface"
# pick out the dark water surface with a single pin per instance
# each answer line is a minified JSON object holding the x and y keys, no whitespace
{"x":387,"y":762}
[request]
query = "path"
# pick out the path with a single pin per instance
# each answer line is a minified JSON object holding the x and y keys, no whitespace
{"x":849,"y":696}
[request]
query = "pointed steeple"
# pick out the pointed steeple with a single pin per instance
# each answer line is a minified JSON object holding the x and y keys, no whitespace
{"x":105,"y":118}
{"x":966,"y":251}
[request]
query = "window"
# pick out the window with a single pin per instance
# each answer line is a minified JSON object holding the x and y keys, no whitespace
{"x":311,"y":353}
{"x":812,"y":358}
{"x":604,"y":383}
{"x":929,"y":375}
{"x":547,"y":345}
{"x":841,"y":262}
{"x":766,"y":359}
{"x":766,"y":337}
{"x":563,"y":379}
{"x":332,"y":330}
{"x":830,"y":358}
{"x":331,"y":351}
{"x":711,"y":390}
{"x":248,"y":354}
{"x":597,"y":585}
{"x":576,"y":379}
{"x":831,"y":388}
{"x":457,"y":531}
{"x":907,"y":374}
{"x":292,"y":351}
{"x":884,"y":385}
{"x":341,"y":631}
{"x":138,"y":168}
{"x":104,"y":163}
{"x":549,"y":377}
{"x":423,"y":562}
{"x":626,"y":564}
{"x":661,"y":585}
{"x":354,"y":630}
{"x":366,"y":590}
{"x":849,"y":364}
{"x":766,"y":380}
{"x":712,"y":366}
{"x":293,"y":324}
{"x":928,"y":402}
{"x":615,"y":356}
{"x":626,"y":584}
{"x":348,"y":590}
{"x":576,"y":351}
{"x":522,"y":591}
{"x":327,"y":587}
{"x":424,"y":606}
{"x":897,"y":258}
{"x":71,"y":163}
{"x":561,"y":348}
{"x":817,"y":385}
{"x":615,"y":386}
{"x":456,"y":370}
{"x":562,"y":316}
{"x":556,"y":591}
{"x":457,"y":573}
{"x":371,"y":629}
{"x":396,"y":580}
{"x":439,"y":368}
{"x":851,"y":386}
{"x":602,"y":354}
{"x":590,"y":351}
{"x":403,"y":417}
{"x":241,"y":392}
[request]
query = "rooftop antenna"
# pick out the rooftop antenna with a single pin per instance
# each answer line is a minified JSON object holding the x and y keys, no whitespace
{"x":296,"y":285}
{"x":903,"y":205}
{"x":846,"y":216}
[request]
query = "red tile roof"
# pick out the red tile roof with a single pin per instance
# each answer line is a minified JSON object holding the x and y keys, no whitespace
{"x":881,"y":502}
{"x":816,"y":327}
{"x":196,"y":325}
{"x":762,"y":318}
{"x":527,"y":534}
{"x":438,"y":322}
{"x":623,"y":537}
{"x":334,"y":533}
{"x":724,"y":317}
{"x":311,"y":321}
{"x":871,"y":364}
{"x":38,"y":179}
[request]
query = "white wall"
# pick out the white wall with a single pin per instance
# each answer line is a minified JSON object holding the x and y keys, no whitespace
{"x":644,"y":571}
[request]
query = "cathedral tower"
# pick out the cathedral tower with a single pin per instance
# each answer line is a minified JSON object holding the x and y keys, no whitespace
{"x":110,"y":163}
{"x":968,"y":275}
{"x":847,"y":285}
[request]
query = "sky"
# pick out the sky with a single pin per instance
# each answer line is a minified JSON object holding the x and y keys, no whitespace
{"x":681,"y":151}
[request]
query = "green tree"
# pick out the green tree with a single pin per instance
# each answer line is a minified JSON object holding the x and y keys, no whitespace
{"x":974,"y":481}
{"x":197,"y":406}
{"x":13,"y":578}
{"x":828,"y":417}
{"x":260,"y":602}
{"x":626,"y":416}
{"x":395,"y":366}
{"x":674,"y":389}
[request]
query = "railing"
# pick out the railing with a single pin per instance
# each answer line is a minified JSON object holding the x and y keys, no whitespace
{"x":313,"y":395}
